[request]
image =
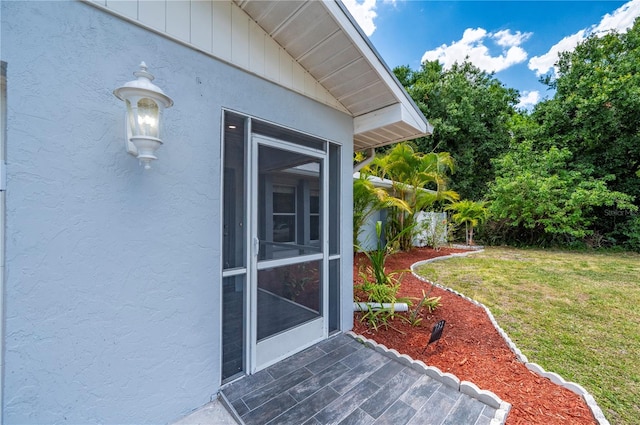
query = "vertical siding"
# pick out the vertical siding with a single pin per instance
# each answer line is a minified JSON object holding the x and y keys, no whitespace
{"x":201,"y":25}
{"x":223,"y":30}
{"x":124,"y":7}
{"x":240,"y":38}
{"x":222,"y":34}
{"x":178,"y":19}
{"x":298,"y":78}
{"x":271,"y":61}
{"x":154,"y":13}
{"x":257,"y":50}
{"x":286,"y":67}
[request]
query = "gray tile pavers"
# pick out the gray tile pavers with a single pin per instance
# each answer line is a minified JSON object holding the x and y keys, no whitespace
{"x":347,"y":403}
{"x":304,"y":410}
{"x":247,"y":384}
{"x":331,"y":344}
{"x":388,"y":394}
{"x":239,"y":406}
{"x":362,"y":356}
{"x":484,"y":420}
{"x":383,"y":374}
{"x":420,"y":392}
{"x":466,"y":411}
{"x":357,"y":417}
{"x":398,"y":413}
{"x":316,"y":382}
{"x":489,"y":412}
{"x":436,"y":410}
{"x":269,"y":410}
{"x":296,"y":362}
{"x":279,"y":386}
{"x":341,"y":381}
{"x":332,"y":357}
{"x":360,"y":372}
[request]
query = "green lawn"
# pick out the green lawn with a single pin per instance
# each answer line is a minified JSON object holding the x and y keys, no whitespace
{"x":573,"y":313}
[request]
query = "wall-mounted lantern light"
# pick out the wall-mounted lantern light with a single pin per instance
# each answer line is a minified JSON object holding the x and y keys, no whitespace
{"x":145,"y":102}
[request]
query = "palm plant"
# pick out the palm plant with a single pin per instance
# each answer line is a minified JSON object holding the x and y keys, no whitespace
{"x":419,"y":180}
{"x":470,"y":213}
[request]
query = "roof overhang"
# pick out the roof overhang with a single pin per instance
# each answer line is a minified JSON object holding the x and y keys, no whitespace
{"x":325,"y":39}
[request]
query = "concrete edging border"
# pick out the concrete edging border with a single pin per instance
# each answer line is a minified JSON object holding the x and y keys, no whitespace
{"x":535,"y":368}
{"x":448,"y":379}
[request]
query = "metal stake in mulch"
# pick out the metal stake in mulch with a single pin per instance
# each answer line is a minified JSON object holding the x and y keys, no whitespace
{"x":436,"y":333}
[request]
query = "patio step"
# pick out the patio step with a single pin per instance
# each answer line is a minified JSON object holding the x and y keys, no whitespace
{"x":343,"y":381}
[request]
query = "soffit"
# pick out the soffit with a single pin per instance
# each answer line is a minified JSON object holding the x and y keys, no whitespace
{"x":322,"y":38}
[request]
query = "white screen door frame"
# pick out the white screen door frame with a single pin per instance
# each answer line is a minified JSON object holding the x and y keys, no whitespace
{"x":265,"y":351}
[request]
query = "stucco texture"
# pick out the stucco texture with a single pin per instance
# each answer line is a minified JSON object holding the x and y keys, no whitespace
{"x":113,"y":273}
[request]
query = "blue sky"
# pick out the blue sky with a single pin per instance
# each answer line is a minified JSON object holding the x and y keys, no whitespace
{"x":518,"y":40}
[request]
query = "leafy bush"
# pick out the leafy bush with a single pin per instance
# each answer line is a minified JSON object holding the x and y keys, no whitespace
{"x":539,"y":196}
{"x":631,"y":229}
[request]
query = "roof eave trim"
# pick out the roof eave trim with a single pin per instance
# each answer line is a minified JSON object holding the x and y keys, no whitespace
{"x":349,"y":25}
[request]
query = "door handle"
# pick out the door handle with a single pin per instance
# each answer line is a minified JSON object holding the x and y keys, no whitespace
{"x":256,"y":245}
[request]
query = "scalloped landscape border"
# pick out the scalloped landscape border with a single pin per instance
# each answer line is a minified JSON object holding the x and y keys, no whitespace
{"x":535,"y":368}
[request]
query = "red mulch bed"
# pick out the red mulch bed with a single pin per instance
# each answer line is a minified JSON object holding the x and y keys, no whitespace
{"x":472,"y":349}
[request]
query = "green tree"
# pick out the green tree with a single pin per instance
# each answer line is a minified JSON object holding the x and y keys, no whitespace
{"x":471,"y":213}
{"x":596,"y":110}
{"x":542,"y":199}
{"x":469,"y":110}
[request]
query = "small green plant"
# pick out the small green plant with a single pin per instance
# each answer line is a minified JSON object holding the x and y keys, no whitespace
{"x":377,"y":258}
{"x":428,"y":303}
{"x":431,"y":303}
{"x":376,"y":318}
{"x":377,"y":293}
{"x":379,"y":285}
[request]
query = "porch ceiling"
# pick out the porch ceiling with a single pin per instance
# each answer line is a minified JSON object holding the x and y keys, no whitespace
{"x":326,"y":41}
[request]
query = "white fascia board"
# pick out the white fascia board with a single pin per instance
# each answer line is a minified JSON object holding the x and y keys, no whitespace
{"x":389,"y":115}
{"x":367,"y":51}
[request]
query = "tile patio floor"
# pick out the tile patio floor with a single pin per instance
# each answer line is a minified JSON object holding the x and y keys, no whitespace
{"x":342,"y":381}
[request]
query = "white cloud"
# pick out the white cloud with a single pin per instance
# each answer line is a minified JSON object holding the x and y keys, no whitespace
{"x":364,"y":12}
{"x":542,"y":64}
{"x":505,"y":38}
{"x":528,"y":98}
{"x":472,"y":45}
{"x":620,"y":20}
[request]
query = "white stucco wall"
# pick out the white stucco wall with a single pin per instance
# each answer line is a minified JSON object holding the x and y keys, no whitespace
{"x":113,"y":273}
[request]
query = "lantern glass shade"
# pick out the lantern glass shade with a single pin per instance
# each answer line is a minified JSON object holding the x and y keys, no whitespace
{"x":143,"y":120}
